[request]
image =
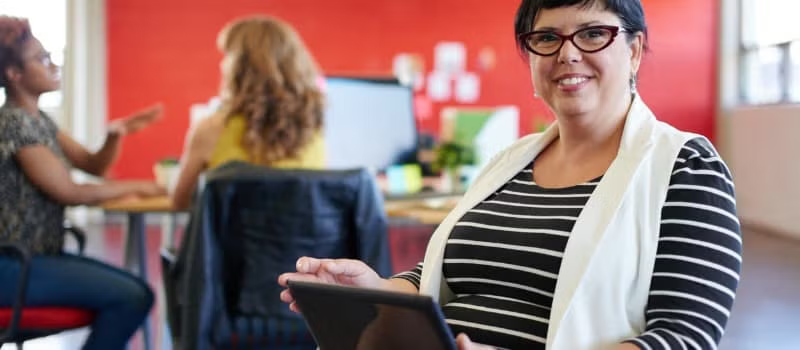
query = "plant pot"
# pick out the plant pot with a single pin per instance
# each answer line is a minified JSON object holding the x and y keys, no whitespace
{"x":451,"y":180}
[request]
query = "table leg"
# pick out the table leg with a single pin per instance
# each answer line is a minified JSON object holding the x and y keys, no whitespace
{"x":136,"y":260}
{"x":169,"y":225}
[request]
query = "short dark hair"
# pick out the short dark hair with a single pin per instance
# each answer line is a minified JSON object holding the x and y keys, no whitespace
{"x":630,"y":13}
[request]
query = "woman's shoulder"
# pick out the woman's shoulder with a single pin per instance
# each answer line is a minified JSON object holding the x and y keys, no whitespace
{"x":19,"y":128}
{"x":699,"y":147}
{"x":203,"y":134}
{"x":699,"y":164}
{"x":208,"y":127}
{"x":11,"y":117}
{"x":698,"y":153}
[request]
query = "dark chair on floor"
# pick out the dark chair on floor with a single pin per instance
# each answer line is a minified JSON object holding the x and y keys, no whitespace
{"x":249,"y":225}
{"x":19,"y":323}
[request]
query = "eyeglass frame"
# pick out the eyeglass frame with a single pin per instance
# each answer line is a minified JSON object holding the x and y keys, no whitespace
{"x":615,"y":30}
{"x":44,"y":58}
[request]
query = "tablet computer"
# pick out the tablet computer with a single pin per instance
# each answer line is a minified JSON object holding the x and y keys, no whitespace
{"x":350,"y":318}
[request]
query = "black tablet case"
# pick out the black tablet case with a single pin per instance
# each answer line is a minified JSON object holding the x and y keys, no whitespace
{"x":349,"y":318}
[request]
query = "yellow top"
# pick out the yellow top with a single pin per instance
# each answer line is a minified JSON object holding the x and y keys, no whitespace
{"x":229,"y":148}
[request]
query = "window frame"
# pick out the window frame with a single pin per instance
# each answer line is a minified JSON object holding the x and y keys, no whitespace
{"x":749,"y":45}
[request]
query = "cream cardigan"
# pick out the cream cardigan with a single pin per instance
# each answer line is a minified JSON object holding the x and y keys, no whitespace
{"x":604,"y":281}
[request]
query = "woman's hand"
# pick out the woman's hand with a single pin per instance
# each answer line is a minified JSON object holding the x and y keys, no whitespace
{"x":135,"y":122}
{"x":149,"y":189}
{"x":464,"y":343}
{"x":332,"y":271}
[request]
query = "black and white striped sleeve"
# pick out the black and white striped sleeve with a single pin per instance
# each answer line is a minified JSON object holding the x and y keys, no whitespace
{"x":698,"y":260}
{"x":414,"y":275}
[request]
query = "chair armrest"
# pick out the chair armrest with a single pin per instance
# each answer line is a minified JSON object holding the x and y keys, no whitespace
{"x":78,"y":234}
{"x":24,"y":256}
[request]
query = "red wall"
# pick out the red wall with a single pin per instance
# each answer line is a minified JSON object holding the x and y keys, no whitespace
{"x":165,"y":51}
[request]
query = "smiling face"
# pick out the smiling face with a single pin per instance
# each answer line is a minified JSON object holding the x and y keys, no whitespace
{"x":575,"y":83}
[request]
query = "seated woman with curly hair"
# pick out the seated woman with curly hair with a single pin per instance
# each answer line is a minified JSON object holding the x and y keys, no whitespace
{"x":35,"y":186}
{"x":271,"y":112}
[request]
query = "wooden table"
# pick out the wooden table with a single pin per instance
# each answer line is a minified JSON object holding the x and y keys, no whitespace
{"x":160,"y":204}
{"x":426,"y":211}
{"x":429,"y":211}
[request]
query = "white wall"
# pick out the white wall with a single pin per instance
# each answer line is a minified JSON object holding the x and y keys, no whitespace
{"x":763,"y":151}
{"x":760,"y":144}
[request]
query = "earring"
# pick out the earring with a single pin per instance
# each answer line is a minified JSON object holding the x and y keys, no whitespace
{"x":633,"y":84}
{"x":536,"y":94}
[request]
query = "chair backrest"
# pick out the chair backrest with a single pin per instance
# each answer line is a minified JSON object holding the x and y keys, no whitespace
{"x":255,"y":223}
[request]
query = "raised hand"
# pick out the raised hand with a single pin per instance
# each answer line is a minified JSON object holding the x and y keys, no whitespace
{"x":136,"y":121}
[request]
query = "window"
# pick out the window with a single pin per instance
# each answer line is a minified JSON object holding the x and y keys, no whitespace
{"x":770,"y":52}
{"x":48,"y":21}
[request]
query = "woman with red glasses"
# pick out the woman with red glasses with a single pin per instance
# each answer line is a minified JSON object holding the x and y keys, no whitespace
{"x":35,"y":186}
{"x":609,"y":230}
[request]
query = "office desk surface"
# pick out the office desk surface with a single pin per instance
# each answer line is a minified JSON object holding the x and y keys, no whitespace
{"x":159,"y":204}
{"x":426,"y":211}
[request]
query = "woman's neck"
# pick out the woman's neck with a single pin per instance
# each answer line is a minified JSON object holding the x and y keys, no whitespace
{"x":584,"y":136}
{"x":28,"y":103}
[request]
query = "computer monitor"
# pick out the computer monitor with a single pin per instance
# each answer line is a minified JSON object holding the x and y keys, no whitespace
{"x":369,"y":123}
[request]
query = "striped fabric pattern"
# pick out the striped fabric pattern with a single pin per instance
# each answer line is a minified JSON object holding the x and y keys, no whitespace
{"x":503,"y":257}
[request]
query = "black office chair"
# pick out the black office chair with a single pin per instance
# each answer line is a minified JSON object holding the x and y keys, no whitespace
{"x":251,"y":224}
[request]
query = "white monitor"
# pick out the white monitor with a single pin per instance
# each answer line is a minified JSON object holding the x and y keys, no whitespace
{"x":368,"y":123}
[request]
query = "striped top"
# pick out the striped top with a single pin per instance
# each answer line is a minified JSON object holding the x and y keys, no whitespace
{"x":503,"y":257}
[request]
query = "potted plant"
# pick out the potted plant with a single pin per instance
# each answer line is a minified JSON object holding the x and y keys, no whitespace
{"x":165,"y":170}
{"x":450,"y":157}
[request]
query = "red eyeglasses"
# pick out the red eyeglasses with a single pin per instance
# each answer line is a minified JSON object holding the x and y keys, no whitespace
{"x":589,"y":39}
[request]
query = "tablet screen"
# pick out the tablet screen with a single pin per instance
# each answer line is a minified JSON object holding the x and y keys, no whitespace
{"x":349,"y":318}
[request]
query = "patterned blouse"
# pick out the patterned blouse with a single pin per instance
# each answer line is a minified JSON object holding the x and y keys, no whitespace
{"x":27,"y":215}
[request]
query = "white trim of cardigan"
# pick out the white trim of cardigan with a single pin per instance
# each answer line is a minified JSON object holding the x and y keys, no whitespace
{"x":599,"y":309}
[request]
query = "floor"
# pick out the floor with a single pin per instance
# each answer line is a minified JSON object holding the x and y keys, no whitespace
{"x":764,"y":317}
{"x":766,"y":314}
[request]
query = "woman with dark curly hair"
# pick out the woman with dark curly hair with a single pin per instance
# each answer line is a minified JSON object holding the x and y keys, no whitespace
{"x":35,"y":186}
{"x":272,"y":106}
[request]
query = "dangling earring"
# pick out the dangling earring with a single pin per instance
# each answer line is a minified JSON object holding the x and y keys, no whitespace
{"x":633,"y":84}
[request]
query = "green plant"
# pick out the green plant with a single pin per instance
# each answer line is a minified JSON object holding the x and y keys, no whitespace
{"x":451,"y":155}
{"x":168,"y":161}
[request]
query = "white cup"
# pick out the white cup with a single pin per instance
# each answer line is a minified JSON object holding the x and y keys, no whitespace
{"x":166,"y":174}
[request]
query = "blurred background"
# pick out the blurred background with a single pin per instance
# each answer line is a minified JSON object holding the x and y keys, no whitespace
{"x":727,"y":69}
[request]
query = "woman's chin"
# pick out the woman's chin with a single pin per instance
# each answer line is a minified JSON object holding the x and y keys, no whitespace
{"x":572,"y":108}
{"x":55,"y":86}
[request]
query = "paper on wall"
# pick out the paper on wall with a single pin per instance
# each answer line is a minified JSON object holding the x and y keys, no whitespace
{"x":439,"y":86}
{"x":468,"y":88}
{"x":450,"y":57}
